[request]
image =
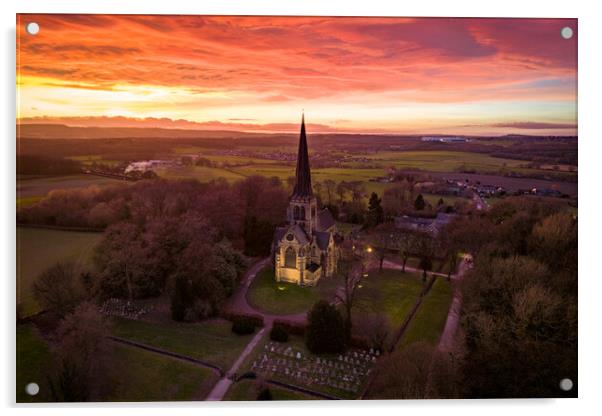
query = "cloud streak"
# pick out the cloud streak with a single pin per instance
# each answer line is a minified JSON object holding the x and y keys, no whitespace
{"x":268,"y":68}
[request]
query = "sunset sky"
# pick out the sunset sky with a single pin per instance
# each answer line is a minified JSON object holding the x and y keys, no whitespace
{"x":389,"y":75}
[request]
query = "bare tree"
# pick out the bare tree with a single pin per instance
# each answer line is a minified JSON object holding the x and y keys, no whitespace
{"x":330,"y":186}
{"x":426,"y":247}
{"x":350,"y":270}
{"x":341,"y":191}
{"x":382,"y":240}
{"x":82,"y":355}
{"x":59,"y":288}
{"x":375,"y":327}
{"x":405,"y":242}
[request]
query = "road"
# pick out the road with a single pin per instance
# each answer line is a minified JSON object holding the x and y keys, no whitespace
{"x":447,"y":340}
{"x":238,"y":301}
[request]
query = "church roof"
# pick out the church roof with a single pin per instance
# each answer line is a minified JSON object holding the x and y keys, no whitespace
{"x":322,"y":239}
{"x":296,"y":230}
{"x":302,"y":174}
{"x":279,"y":233}
{"x":325,"y":219}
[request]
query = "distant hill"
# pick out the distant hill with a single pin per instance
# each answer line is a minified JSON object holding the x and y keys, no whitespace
{"x":61,"y":131}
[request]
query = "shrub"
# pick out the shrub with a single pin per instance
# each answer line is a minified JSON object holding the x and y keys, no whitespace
{"x":264,"y":394}
{"x":292,"y":328}
{"x":257,"y":320}
{"x":325,"y":330}
{"x":243,"y":326}
{"x":278,"y":334}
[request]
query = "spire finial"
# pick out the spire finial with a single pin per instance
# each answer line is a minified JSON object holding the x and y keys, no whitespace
{"x":302,"y":174}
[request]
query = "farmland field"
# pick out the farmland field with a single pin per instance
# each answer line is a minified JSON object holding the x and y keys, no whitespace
{"x":39,"y":186}
{"x":38,"y":249}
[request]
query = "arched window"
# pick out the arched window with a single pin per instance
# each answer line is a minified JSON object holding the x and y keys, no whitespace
{"x":290,"y":258}
{"x":296,"y":213}
{"x":302,"y":217}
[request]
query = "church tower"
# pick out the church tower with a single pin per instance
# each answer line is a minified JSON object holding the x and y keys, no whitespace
{"x":302,"y":207}
{"x":304,"y":250}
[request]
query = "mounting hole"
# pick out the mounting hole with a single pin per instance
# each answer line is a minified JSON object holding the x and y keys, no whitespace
{"x":566,"y":32}
{"x":566,"y":384}
{"x":32,"y":389}
{"x":32,"y":28}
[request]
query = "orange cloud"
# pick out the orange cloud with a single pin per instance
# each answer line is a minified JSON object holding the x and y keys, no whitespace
{"x":267,"y":68}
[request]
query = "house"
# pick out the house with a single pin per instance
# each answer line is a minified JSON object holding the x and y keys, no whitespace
{"x":429,"y":225}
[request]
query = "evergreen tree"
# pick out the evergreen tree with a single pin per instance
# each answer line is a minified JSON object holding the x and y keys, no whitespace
{"x":375,"y":211}
{"x":181,"y":299}
{"x":325,"y":330}
{"x":419,"y":204}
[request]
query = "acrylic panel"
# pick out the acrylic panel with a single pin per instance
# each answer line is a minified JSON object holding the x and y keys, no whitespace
{"x":295,"y":208}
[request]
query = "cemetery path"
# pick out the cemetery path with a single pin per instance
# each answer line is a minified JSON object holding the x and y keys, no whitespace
{"x":446,"y":342}
{"x":388,"y":264}
{"x":222,"y":386}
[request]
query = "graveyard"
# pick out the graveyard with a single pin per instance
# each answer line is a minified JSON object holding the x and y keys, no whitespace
{"x":341,"y":376}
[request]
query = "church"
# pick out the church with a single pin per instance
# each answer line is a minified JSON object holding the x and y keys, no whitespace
{"x":305,"y":249}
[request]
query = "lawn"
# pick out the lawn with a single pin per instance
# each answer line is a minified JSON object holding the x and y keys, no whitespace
{"x":245,"y":390}
{"x":146,"y":376}
{"x":38,"y":249}
{"x":33,"y":358}
{"x":429,"y":321}
{"x":281,"y":298}
{"x":391,"y":293}
{"x":211,"y":341}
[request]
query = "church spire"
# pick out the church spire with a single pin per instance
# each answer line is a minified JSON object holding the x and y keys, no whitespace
{"x":303,"y":175}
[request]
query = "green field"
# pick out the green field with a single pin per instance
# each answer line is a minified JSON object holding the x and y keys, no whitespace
{"x":39,"y":186}
{"x":281,"y":298}
{"x":441,"y":161}
{"x":38,"y":249}
{"x":390,"y":293}
{"x":429,"y":321}
{"x":32,"y":360}
{"x":211,"y":341}
{"x":140,"y":375}
{"x":200,"y":173}
{"x":28,"y":200}
{"x":245,"y":390}
{"x":351,"y":171}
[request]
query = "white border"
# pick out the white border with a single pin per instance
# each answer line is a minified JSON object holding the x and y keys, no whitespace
{"x":590,"y":68}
